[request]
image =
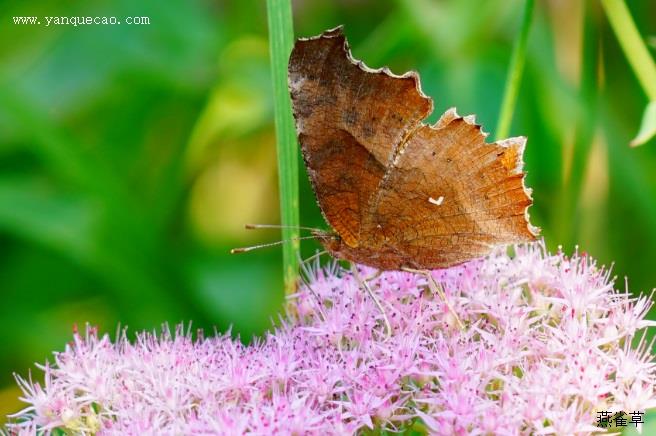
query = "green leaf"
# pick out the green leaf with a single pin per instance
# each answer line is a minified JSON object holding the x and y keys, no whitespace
{"x":632,"y":44}
{"x":647,"y":126}
{"x":649,"y":427}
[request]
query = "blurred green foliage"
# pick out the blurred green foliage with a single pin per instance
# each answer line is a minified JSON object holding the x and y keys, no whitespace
{"x":131,"y":156}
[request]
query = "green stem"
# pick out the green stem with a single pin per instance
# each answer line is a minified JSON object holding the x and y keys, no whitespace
{"x":586,"y":126}
{"x":632,"y":44}
{"x":514,"y":77}
{"x":281,"y":39}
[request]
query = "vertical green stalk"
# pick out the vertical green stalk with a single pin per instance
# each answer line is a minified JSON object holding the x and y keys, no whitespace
{"x":567,"y":214}
{"x":514,"y":77}
{"x":281,"y":39}
{"x":634,"y":48}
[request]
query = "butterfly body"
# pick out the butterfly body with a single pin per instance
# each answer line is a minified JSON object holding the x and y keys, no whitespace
{"x":397,"y":192}
{"x":371,"y":254}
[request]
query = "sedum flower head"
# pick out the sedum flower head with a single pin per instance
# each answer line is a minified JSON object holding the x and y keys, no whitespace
{"x":548,"y":342}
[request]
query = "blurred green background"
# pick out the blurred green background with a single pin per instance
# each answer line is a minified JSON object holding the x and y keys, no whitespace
{"x":132,"y":156}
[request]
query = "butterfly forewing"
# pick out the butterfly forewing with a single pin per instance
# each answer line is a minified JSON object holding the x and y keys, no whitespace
{"x":350,"y":121}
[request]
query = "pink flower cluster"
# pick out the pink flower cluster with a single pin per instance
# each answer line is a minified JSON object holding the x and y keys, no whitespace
{"x":547,"y":344}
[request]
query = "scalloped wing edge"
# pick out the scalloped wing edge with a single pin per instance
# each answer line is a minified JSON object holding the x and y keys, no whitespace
{"x":518,"y":143}
{"x":338,"y":32}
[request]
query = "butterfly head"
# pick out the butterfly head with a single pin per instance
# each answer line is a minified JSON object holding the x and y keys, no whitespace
{"x":331,"y":241}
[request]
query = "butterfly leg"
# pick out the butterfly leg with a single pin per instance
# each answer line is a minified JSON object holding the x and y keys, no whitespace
{"x":437,"y":289}
{"x":307,"y":275}
{"x":364,"y":285}
{"x":313,"y":257}
{"x":374,"y":276}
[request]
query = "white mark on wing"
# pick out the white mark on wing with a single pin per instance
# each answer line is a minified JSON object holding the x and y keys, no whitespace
{"x":437,"y":202}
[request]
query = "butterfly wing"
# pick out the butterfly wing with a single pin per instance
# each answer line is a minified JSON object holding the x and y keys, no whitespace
{"x":450,"y":196}
{"x":350,"y":120}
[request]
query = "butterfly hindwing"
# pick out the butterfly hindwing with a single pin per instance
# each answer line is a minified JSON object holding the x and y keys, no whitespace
{"x":451,"y":197}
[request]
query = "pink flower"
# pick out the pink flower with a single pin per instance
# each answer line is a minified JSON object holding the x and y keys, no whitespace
{"x":546,"y":345}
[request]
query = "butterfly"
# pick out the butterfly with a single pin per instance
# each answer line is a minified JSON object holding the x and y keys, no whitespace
{"x":397,"y":192}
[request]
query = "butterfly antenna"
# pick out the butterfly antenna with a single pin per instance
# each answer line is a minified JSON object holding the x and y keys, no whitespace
{"x":278,"y":226}
{"x":270,"y":244}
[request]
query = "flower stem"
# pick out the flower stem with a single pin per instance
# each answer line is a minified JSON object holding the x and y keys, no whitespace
{"x":514,"y":77}
{"x":281,"y":37}
{"x":634,"y":48}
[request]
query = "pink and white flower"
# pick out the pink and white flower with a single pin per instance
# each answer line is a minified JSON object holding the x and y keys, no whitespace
{"x":546,"y":345}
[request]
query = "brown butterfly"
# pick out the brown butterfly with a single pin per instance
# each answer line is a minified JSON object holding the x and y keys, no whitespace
{"x":397,"y":192}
